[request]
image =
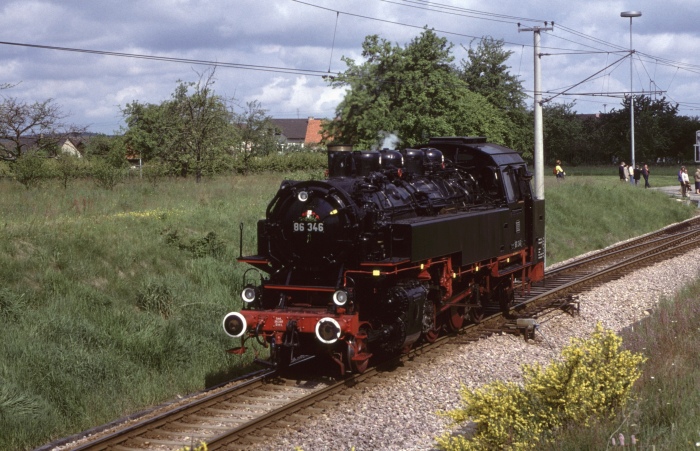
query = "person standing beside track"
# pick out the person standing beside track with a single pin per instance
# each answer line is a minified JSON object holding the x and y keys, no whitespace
{"x":685,"y":182}
{"x":697,"y":181}
{"x":630,"y":171}
{"x":623,"y":171}
{"x":645,"y":174}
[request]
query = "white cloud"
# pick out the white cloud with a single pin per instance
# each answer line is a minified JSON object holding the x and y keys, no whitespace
{"x":283,"y":33}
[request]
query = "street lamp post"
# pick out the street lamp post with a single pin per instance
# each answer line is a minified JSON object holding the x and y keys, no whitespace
{"x":631,"y":14}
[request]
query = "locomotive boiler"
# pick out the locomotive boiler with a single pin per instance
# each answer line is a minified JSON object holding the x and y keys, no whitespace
{"x":391,"y":248}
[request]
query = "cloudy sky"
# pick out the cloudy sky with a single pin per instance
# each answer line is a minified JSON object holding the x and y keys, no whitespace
{"x":275,"y":51}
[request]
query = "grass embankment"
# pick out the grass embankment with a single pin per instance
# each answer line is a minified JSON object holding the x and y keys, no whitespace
{"x":590,"y":212}
{"x":112,"y":301}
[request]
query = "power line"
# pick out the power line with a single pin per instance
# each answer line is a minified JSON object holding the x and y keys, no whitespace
{"x":419,"y":27}
{"x":462,"y":12}
{"x":285,"y":70}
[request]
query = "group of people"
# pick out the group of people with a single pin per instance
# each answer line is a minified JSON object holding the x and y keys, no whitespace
{"x":684,"y":180}
{"x":634,"y":173}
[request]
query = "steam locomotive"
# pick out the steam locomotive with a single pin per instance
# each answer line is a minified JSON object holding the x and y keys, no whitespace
{"x":392,"y":248}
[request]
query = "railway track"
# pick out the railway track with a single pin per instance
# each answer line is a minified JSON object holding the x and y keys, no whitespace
{"x":247,"y":413}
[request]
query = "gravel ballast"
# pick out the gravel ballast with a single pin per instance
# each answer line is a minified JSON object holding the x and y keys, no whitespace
{"x":400,"y":413}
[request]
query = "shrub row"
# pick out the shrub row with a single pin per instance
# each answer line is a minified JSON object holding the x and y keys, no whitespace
{"x":32,"y":170}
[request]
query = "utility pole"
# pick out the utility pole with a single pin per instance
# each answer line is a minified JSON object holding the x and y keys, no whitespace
{"x":539,"y":146}
{"x":631,"y":14}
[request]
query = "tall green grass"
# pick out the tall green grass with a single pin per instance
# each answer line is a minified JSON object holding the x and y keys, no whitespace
{"x":112,"y":300}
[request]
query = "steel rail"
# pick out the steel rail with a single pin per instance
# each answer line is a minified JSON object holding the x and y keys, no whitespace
{"x":124,"y":434}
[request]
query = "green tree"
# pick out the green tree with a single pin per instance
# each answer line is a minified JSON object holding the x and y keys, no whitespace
{"x":205,"y":124}
{"x":148,"y":129}
{"x":188,"y":132}
{"x":485,"y":72}
{"x":31,"y":169}
{"x":98,"y":145}
{"x":659,"y":131}
{"x":69,"y":168}
{"x":654,"y":125}
{"x":563,"y":133}
{"x":413,"y":92}
{"x":683,"y":138}
{"x":101,"y":145}
{"x":258,"y":133}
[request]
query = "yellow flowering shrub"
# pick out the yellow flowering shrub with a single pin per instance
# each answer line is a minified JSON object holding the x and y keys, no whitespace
{"x":202,"y":447}
{"x":594,"y":377}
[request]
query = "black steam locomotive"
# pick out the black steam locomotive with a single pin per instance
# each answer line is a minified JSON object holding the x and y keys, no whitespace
{"x":393,"y":247}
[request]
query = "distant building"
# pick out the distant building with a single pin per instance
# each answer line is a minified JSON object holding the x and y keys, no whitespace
{"x":303,"y":132}
{"x":71,"y":145}
{"x":589,"y":116}
{"x":74,"y":146}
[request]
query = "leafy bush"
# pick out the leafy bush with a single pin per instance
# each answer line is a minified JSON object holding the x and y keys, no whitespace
{"x":154,"y":172}
{"x":107,"y":176}
{"x":68,"y":168}
{"x":666,"y":399}
{"x":5,"y":169}
{"x":594,"y":378}
{"x":292,"y":161}
{"x":30,"y":170}
{"x":209,"y":245}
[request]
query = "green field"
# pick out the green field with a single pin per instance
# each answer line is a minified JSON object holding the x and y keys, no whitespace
{"x":112,"y":300}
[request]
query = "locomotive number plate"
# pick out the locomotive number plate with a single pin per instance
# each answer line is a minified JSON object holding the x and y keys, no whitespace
{"x":308,"y":227}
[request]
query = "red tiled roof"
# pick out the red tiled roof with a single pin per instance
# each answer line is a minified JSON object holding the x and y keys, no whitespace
{"x":313,"y":131}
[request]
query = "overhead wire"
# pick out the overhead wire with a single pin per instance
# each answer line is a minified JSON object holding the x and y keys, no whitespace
{"x":420,"y":27}
{"x":607,"y":76}
{"x":582,"y":81}
{"x":462,"y":12}
{"x":286,"y":70}
{"x":335,"y":30}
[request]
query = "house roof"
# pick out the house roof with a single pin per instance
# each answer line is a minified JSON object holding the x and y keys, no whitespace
{"x":306,"y":131}
{"x":292,"y":129}
{"x":313,"y":131}
{"x":31,"y":141}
